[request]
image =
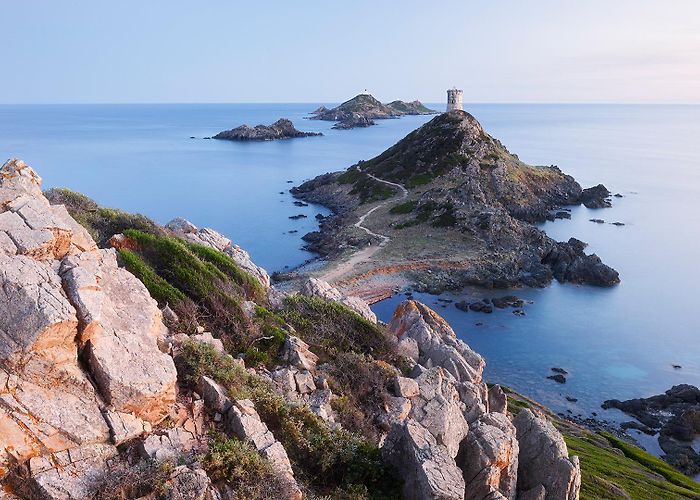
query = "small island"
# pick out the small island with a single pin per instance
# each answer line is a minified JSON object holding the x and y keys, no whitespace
{"x":363,"y":109}
{"x":281,"y":129}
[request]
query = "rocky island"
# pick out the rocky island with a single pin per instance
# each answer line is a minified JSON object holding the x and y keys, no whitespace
{"x":445,"y":207}
{"x":363,"y":109}
{"x":148,"y":361}
{"x":281,"y":129}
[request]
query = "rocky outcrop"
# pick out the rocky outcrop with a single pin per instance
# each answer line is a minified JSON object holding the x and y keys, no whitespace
{"x":281,"y":129}
{"x":543,"y":461}
{"x":210,"y":238}
{"x":79,"y":362}
{"x":675,"y":415}
{"x":453,"y":438}
{"x":411,"y":108}
{"x":569,"y":263}
{"x":416,"y":324}
{"x":314,"y":287}
{"x":596,"y":197}
{"x":354,"y":120}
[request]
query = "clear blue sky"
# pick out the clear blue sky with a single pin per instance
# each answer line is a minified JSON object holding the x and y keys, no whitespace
{"x":327,"y":50}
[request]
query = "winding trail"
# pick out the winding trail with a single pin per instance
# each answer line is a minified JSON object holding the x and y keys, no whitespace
{"x":366,"y":253}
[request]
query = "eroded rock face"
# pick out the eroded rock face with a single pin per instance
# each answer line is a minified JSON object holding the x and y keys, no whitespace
{"x":121,"y":325}
{"x":210,"y":238}
{"x":544,"y":460}
{"x":489,"y":458}
{"x":428,"y":470}
{"x":79,"y":363}
{"x":436,"y":341}
{"x":314,"y":287}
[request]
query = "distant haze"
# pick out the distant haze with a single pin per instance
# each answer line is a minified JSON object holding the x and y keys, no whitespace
{"x":326,"y":51}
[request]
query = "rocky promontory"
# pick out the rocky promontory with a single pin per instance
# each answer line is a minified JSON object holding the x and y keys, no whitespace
{"x":363,"y":109}
{"x":449,"y":206}
{"x":146,"y":361}
{"x":281,"y":129}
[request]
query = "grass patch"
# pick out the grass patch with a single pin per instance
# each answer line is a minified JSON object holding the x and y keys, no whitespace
{"x":609,"y":475}
{"x":159,"y":289}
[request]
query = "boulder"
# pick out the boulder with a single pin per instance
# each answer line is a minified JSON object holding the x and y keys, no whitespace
{"x":439,"y":409}
{"x":121,"y":325}
{"x":210,"y":238}
{"x":437,"y":343}
{"x":125,"y":426}
{"x":544,"y":461}
{"x":215,"y":397}
{"x":314,"y":287}
{"x":426,"y":467}
{"x":187,"y":483}
{"x":296,"y":352}
{"x":498,"y":401}
{"x":169,"y":445}
{"x":406,"y":387}
{"x":243,"y":421}
{"x":67,"y":475}
{"x":488,"y":458}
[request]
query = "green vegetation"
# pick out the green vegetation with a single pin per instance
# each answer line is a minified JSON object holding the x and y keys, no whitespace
{"x":404,"y":208}
{"x":333,"y":462}
{"x":333,"y":328}
{"x":439,"y":215}
{"x":242,"y":467}
{"x":366,"y":188}
{"x":102,"y":223}
{"x":633,"y":473}
{"x":159,"y":289}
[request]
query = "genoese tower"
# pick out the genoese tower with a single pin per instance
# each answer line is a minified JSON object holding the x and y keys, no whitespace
{"x":454,"y":99}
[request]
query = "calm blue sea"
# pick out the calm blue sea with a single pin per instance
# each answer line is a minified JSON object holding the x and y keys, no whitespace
{"x":616,"y":343}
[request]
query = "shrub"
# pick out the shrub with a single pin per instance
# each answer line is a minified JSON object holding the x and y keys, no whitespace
{"x":335,"y":328}
{"x":324,"y":458}
{"x":404,"y":208}
{"x":102,"y":223}
{"x":239,"y":465}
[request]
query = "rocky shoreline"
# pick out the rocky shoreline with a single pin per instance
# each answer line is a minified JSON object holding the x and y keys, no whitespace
{"x":162,"y":363}
{"x":470,"y":195}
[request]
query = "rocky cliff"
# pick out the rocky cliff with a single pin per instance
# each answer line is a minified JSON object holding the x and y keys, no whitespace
{"x":451,"y":194}
{"x":167,"y":366}
{"x":363,"y":109}
{"x":281,"y":129}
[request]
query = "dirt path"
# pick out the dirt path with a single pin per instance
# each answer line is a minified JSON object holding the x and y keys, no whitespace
{"x":342,"y":268}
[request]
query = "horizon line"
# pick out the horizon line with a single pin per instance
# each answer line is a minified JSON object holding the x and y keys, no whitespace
{"x":479,"y":103}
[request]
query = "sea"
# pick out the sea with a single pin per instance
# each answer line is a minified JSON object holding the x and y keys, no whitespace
{"x":633,"y":340}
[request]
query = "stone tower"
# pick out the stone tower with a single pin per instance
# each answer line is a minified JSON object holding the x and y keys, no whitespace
{"x":454,"y":99}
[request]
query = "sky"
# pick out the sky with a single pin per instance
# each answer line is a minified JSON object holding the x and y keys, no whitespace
{"x":83,"y":51}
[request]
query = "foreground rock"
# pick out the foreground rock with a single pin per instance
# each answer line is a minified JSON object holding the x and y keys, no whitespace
{"x":281,"y":129}
{"x":675,"y":415}
{"x":79,"y":362}
{"x":455,"y":439}
{"x":545,"y":469}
